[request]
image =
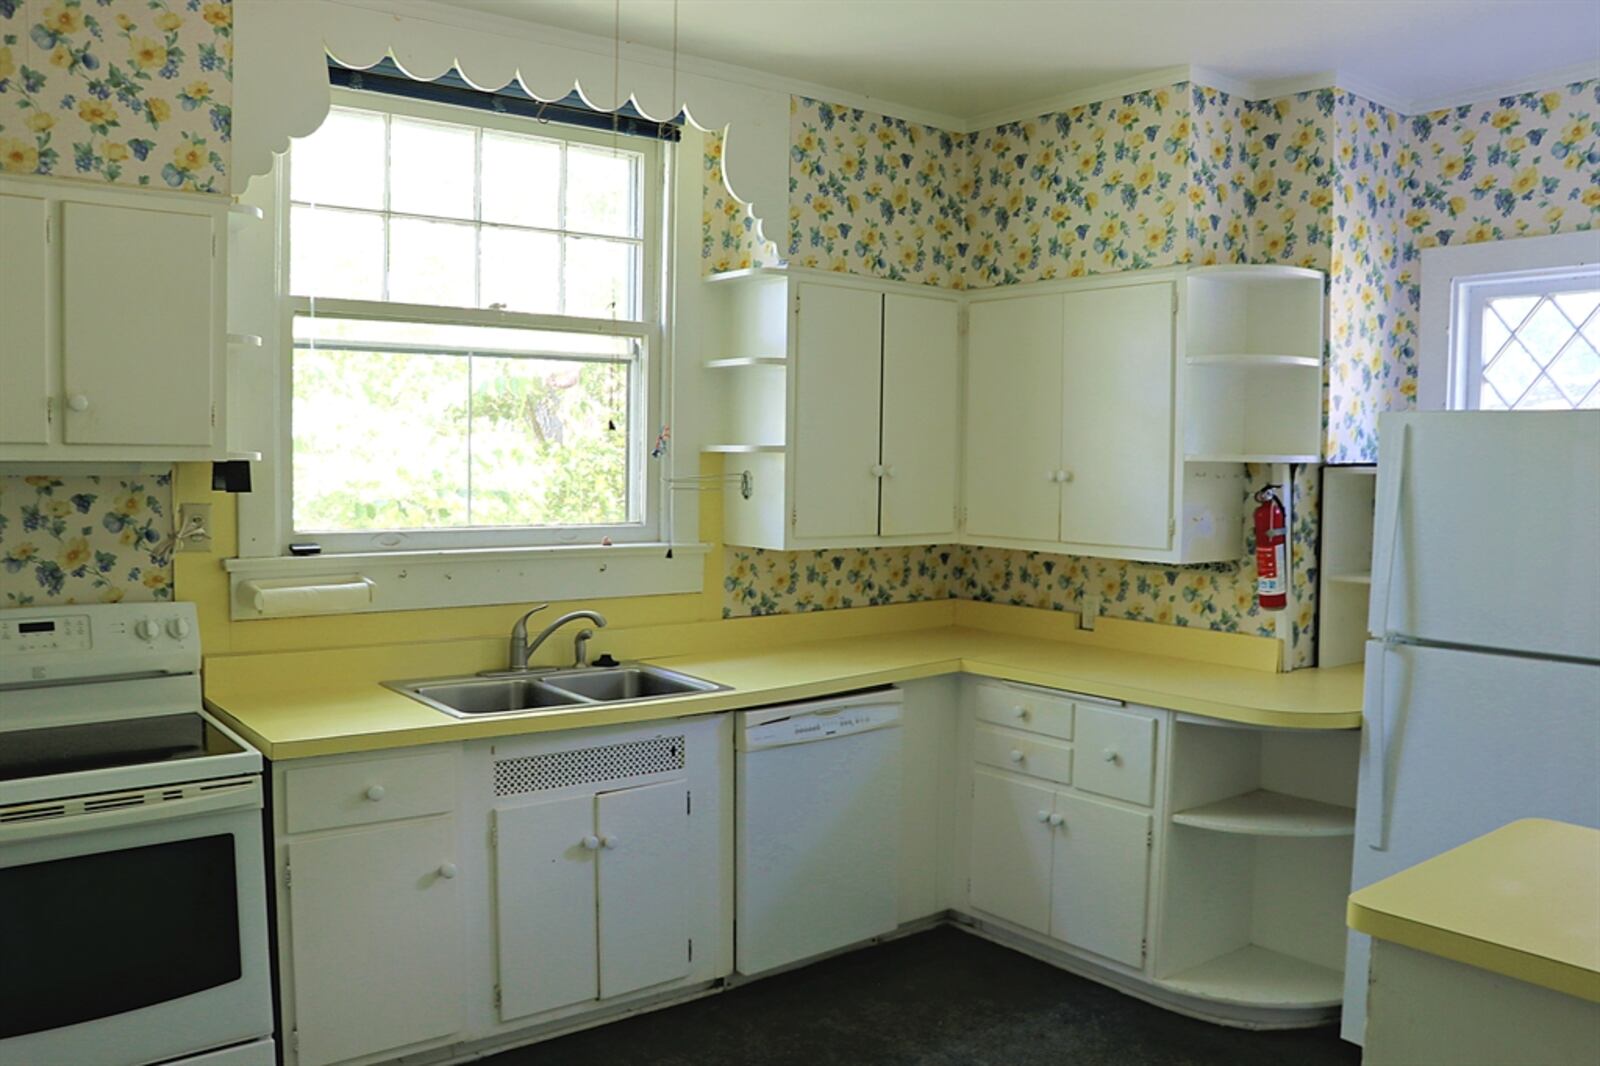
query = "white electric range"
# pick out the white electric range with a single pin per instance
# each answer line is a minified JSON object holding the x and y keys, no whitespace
{"x":133,"y":908}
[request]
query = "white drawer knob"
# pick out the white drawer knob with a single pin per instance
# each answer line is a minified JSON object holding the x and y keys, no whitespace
{"x":374,"y":793}
{"x":1044,"y":816}
{"x":608,"y":842}
{"x":1020,"y":711}
{"x":1016,"y":756}
{"x":78,"y":401}
{"x":591,"y":843}
{"x":1110,"y":755}
{"x":447,"y":870}
{"x":1057,"y":820}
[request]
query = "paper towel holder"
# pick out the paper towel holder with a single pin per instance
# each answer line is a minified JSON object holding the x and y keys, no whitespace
{"x":277,"y":597}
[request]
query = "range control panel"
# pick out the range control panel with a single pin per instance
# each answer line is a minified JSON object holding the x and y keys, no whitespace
{"x":97,"y":640}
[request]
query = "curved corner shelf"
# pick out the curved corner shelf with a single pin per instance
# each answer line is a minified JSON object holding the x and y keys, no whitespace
{"x":241,"y":215}
{"x":1254,"y":976}
{"x":1351,"y":578}
{"x":1242,"y":360}
{"x":253,"y":457}
{"x":746,"y":360}
{"x":244,"y":340}
{"x":1264,"y":813}
{"x":1249,"y":457}
{"x":742,"y":449}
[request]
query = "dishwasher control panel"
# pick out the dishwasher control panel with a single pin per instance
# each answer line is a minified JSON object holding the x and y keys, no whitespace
{"x":821,"y":723}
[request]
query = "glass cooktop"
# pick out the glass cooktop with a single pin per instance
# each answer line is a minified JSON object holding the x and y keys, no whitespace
{"x":101,"y":745}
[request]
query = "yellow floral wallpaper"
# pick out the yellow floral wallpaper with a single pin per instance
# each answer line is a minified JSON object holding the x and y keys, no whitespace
{"x":727,"y":226}
{"x":135,"y":92}
{"x":84,"y":539}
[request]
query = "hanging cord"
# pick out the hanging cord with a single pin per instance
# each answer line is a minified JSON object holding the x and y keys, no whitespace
{"x":694,"y":482}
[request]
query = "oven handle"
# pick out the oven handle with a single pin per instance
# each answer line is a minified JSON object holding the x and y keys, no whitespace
{"x":208,"y":798}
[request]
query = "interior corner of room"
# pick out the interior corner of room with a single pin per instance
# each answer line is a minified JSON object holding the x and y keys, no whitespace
{"x":462,"y":460}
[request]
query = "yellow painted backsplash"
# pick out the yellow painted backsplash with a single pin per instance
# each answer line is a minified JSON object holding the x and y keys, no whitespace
{"x":84,"y":538}
{"x":132,"y":92}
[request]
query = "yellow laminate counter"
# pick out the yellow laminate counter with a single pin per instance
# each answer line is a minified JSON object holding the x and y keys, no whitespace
{"x":296,"y":705}
{"x":1522,"y":901}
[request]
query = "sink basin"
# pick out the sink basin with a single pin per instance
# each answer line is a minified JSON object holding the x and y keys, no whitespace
{"x":549,"y":690}
{"x":618,"y":684}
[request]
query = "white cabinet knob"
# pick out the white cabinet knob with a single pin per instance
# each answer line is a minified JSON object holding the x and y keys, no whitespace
{"x":147,"y":629}
{"x":888,"y":471}
{"x":447,"y":870}
{"x":78,"y":401}
{"x":1019,"y":711}
{"x":1016,"y":756}
{"x":374,"y":793}
{"x":1066,"y":475}
{"x":1057,"y":820}
{"x":877,"y":469}
{"x":1110,"y":755}
{"x":1044,"y":816}
{"x":178,"y":628}
{"x":608,"y":842}
{"x":591,"y":843}
{"x":1054,"y":475}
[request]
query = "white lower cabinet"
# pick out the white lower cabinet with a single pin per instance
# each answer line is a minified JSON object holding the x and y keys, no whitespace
{"x":1011,"y":849}
{"x":598,"y":881}
{"x":1100,"y":880}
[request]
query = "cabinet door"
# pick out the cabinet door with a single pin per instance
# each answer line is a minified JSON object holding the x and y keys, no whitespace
{"x":1116,"y":753}
{"x":1101,"y":880}
{"x":25,"y":321}
{"x":544,"y":880}
{"x":138,"y":329}
{"x":1011,"y":847}
{"x":921,"y":415}
{"x":644,"y":886}
{"x":1013,"y":438}
{"x":1117,"y":430}
{"x":837,"y":375}
{"x":375,"y":935}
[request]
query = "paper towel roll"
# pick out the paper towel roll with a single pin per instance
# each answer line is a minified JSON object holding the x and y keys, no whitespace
{"x":276,"y":599}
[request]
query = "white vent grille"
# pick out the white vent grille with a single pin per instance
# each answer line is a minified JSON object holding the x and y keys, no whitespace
{"x":587,"y":766}
{"x":111,"y":801}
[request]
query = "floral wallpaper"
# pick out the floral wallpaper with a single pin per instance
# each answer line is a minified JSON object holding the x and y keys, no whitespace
{"x":872,"y":194}
{"x":84,"y":539}
{"x":727,"y":226}
{"x":135,"y":92}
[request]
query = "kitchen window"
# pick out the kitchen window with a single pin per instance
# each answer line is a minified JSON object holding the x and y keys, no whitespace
{"x":475,"y":330}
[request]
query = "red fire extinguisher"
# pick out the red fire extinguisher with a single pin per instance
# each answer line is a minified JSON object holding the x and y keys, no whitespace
{"x":1272,"y":575}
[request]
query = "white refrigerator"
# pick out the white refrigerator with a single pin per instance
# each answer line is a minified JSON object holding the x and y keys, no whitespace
{"x":1483,"y":664}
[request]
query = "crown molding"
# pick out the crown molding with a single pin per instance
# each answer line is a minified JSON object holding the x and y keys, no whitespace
{"x":1549,"y":79}
{"x":1032,"y":109}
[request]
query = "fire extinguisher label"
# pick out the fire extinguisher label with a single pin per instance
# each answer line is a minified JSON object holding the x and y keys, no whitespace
{"x":1269,"y":565}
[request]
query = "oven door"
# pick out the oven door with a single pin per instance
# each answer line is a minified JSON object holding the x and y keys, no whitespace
{"x":133,"y":926}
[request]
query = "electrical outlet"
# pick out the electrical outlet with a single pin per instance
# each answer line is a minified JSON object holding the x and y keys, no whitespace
{"x":1088,"y":609}
{"x":194,"y":527}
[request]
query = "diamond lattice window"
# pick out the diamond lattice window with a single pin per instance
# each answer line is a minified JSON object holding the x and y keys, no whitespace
{"x":1540,"y":352}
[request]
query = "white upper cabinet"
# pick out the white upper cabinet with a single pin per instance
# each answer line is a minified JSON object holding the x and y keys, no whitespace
{"x":837,"y":377}
{"x":921,"y":415}
{"x":136,"y":282}
{"x":1013,"y":441}
{"x":839,"y":397}
{"x":26,"y":320}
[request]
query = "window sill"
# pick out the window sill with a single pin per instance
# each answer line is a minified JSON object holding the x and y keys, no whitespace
{"x":366,"y":582}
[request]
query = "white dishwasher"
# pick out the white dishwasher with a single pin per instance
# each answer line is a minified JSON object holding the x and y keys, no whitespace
{"x":817,"y":828}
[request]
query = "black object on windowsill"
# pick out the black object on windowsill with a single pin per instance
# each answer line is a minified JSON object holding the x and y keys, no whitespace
{"x":232,"y":475}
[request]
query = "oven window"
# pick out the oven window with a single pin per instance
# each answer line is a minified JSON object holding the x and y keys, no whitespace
{"x":94,"y":935}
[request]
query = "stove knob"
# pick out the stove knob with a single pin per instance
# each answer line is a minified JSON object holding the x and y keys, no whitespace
{"x":178,"y":628}
{"x":147,"y":629}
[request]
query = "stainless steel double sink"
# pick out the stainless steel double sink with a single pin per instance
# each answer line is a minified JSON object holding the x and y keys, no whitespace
{"x":550,"y":690}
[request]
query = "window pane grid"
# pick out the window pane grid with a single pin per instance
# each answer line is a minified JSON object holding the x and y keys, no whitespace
{"x":1538,"y":351}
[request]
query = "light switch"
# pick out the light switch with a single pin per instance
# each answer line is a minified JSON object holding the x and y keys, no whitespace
{"x":194,"y":527}
{"x":1088,"y":609}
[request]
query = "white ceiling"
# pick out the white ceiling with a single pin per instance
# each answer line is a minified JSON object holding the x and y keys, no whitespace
{"x":967,"y":58}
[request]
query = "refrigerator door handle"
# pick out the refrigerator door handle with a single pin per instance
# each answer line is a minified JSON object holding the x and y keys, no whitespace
{"x":1386,"y":540}
{"x":1382,"y":734}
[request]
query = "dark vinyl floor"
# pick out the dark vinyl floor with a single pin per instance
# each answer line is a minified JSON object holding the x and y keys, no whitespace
{"x":945,"y":997}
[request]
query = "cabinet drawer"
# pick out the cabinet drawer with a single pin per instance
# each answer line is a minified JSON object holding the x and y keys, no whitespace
{"x":1018,"y":752}
{"x":374,"y":790}
{"x":1020,"y":708}
{"x":1119,"y":750}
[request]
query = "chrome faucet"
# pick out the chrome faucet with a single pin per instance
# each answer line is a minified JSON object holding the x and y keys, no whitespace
{"x":522,"y":648}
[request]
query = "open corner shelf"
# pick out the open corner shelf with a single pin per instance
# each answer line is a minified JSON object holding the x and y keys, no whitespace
{"x":742,"y":449}
{"x":241,"y":215}
{"x":746,"y":360}
{"x":244,"y":340}
{"x":1351,"y":578}
{"x":1250,"y":457}
{"x":1260,"y":977}
{"x":1232,"y":359}
{"x":1270,"y":814}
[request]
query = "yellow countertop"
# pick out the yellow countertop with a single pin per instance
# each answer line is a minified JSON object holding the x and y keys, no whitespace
{"x":296,"y":705}
{"x":1522,"y":901}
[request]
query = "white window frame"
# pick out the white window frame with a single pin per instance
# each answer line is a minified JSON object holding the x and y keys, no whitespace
{"x":1457,"y":279}
{"x":661,"y":556}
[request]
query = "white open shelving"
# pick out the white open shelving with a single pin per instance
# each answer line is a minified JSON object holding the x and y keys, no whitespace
{"x":1348,"y":494}
{"x":1253,"y":345}
{"x":1257,"y":865}
{"x":739,"y":362}
{"x":746,"y":330}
